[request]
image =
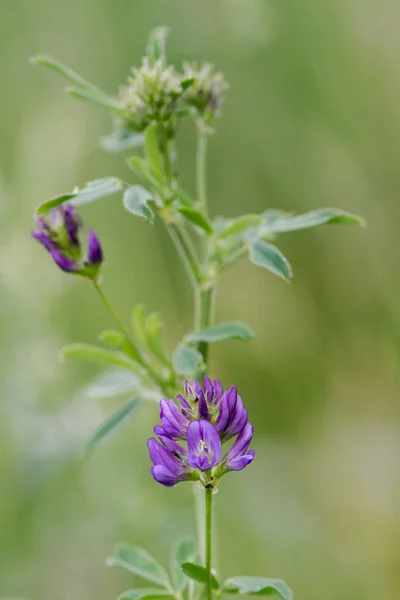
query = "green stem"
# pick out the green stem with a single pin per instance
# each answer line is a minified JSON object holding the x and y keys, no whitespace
{"x":201,"y":168}
{"x":208,"y":545}
{"x":185,"y":251}
{"x":135,"y":353}
{"x":203,"y":316}
{"x":110,"y":309}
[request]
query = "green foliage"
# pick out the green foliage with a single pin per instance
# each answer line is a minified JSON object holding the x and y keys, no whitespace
{"x":121,"y":139}
{"x":67,"y":73}
{"x":96,"y":354}
{"x":153,"y":154}
{"x":141,"y":563}
{"x":96,"y":189}
{"x":184,"y":551}
{"x":156,"y":45}
{"x":199,"y":573}
{"x":257,"y":586}
{"x":112,"y":425}
{"x":240,"y":225}
{"x":136,"y":200}
{"x":279,"y":222}
{"x":148,"y":332}
{"x":187,"y":360}
{"x":112,"y":383}
{"x":196,"y":218}
{"x":47,"y":205}
{"x":270,"y":257}
{"x":222,"y":331}
{"x":145,"y":594}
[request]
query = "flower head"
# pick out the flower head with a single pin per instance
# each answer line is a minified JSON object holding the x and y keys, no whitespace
{"x":207,"y":92}
{"x":206,"y":417}
{"x":59,"y":234}
{"x":151,"y":95}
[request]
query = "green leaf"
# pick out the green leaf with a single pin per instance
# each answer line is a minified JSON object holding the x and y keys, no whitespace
{"x":186,"y":360}
{"x":240,"y":225}
{"x":122,"y":139}
{"x":251,"y":586}
{"x":198,"y":573}
{"x":152,"y":149}
{"x":222,"y":331}
{"x":155,"y":338}
{"x":187,"y":83}
{"x":96,"y":354}
{"x":196,"y":218}
{"x":142,"y":169}
{"x":183,"y":196}
{"x":112,"y":383}
{"x":101,"y":101}
{"x":111,"y":426}
{"x":278,"y":222}
{"x":117,"y":340}
{"x":136,"y":201}
{"x":144,"y":594}
{"x":156,"y":44}
{"x":268,"y":256}
{"x":184,"y":551}
{"x":96,"y":189}
{"x":113,"y":338}
{"x":140,"y":563}
{"x":66,"y":72}
{"x":53,"y":203}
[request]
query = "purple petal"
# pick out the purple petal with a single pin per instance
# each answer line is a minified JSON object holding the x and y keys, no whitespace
{"x":242,"y":442}
{"x":66,"y":264}
{"x":95,"y":253}
{"x":173,"y":447}
{"x":223,"y":416}
{"x":204,"y":445}
{"x":237,"y":420}
{"x":173,"y":422}
{"x":197,"y":388}
{"x":164,"y":476}
{"x":218,"y":391}
{"x":72,"y":224}
{"x":208,"y":389}
{"x":231,"y":396}
{"x":44,"y":239}
{"x":240,"y":462}
{"x":185,"y":407}
{"x":202,"y":406}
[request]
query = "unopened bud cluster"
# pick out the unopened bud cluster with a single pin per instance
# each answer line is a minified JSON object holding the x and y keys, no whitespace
{"x":158,"y":93}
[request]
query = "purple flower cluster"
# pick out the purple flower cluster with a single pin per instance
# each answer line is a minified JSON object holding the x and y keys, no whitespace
{"x":59,"y":234}
{"x":206,"y":418}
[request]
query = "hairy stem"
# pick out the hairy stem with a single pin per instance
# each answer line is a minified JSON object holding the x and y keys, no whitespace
{"x":201,"y":168}
{"x":208,"y":539}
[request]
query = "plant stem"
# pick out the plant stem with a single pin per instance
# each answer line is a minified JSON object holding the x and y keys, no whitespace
{"x":110,"y":309}
{"x":135,"y":353}
{"x":208,"y":538}
{"x":201,"y":168}
{"x":185,"y":251}
{"x":203,"y":316}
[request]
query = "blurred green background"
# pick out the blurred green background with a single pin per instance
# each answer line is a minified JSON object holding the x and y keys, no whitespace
{"x":312,"y":119}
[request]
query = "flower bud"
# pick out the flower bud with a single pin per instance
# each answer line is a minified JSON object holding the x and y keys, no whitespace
{"x":59,"y":234}
{"x":207,"y":92}
{"x":151,"y":95}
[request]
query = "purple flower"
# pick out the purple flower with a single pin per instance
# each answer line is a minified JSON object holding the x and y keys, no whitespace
{"x":205,"y":419}
{"x":204,"y":445}
{"x":59,"y":235}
